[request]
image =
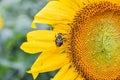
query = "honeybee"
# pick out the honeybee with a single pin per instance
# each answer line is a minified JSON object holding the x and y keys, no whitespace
{"x":59,"y":39}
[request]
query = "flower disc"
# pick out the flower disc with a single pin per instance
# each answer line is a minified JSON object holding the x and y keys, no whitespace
{"x":94,"y":41}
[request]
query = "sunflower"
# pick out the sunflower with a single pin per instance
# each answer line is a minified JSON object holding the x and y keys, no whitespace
{"x":1,"y":22}
{"x":84,"y":43}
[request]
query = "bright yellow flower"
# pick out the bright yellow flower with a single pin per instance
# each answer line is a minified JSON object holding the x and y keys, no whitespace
{"x":1,"y":22}
{"x":84,"y":42}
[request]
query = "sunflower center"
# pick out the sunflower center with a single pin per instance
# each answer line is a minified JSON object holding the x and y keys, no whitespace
{"x":94,"y":41}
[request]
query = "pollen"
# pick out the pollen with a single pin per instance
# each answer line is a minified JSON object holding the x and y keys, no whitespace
{"x":94,"y":41}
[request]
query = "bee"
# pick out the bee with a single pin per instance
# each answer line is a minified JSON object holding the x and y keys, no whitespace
{"x":59,"y":39}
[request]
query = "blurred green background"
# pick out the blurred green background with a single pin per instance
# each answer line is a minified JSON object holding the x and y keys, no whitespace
{"x":17,"y":16}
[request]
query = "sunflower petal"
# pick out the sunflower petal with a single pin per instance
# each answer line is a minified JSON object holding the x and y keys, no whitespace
{"x":53,"y":13}
{"x":71,"y":4}
{"x":37,"y":46}
{"x":35,"y":75}
{"x":44,"y":56}
{"x":62,"y":28}
{"x":54,"y":62}
{"x":47,"y":54}
{"x":41,"y":35}
{"x":72,"y":74}
{"x":62,"y":72}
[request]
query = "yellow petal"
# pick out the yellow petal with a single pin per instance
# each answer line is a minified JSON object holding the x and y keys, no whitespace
{"x":54,"y":13}
{"x":71,"y":74}
{"x":37,"y":46}
{"x":71,"y":4}
{"x":61,"y":28}
{"x":44,"y":56}
{"x":39,"y":41}
{"x":62,"y":72}
{"x":35,"y":75}
{"x":41,"y":35}
{"x":47,"y":54}
{"x":52,"y":63}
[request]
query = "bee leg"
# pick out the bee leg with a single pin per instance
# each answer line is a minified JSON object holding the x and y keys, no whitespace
{"x":55,"y":36}
{"x":64,"y":34}
{"x":64,"y":40}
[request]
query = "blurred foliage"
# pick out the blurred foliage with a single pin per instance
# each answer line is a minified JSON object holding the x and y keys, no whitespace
{"x":18,"y":15}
